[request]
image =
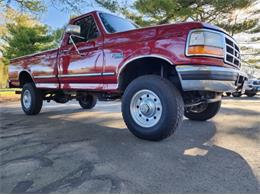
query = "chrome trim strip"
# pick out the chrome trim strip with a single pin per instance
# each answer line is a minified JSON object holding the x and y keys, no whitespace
{"x":87,"y":74}
{"x":207,"y":85}
{"x":188,"y":68}
{"x":232,"y":54}
{"x":44,"y":76}
{"x":108,"y":73}
{"x":89,"y":86}
{"x":47,"y":85}
{"x":232,"y":48}
{"x":79,"y":75}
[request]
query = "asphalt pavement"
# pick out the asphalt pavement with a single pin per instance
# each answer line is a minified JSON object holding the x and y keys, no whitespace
{"x":65,"y":149}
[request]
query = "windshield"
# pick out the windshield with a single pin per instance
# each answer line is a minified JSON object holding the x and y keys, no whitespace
{"x":115,"y":24}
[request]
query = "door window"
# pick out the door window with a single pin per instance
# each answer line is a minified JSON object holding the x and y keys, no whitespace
{"x":89,"y":30}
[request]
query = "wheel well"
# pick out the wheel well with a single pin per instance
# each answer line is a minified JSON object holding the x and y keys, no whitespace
{"x":146,"y":66}
{"x":24,"y":78}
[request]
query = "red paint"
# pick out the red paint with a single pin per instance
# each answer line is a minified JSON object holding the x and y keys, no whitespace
{"x":166,"y":41}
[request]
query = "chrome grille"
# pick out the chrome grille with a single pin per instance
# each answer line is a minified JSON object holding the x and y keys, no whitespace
{"x":232,"y":53}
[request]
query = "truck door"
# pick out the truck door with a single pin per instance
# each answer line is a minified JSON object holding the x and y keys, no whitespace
{"x":82,"y":70}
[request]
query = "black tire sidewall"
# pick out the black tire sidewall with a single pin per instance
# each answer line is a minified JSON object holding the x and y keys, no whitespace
{"x":169,"y":120}
{"x":211,"y":110}
{"x":250,"y":94}
{"x":36,"y":99}
{"x":228,"y":94}
{"x":90,"y":103}
{"x":236,"y":94}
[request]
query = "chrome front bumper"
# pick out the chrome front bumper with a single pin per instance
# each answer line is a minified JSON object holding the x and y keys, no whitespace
{"x":210,"y":78}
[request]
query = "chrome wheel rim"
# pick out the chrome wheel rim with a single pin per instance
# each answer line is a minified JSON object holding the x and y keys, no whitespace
{"x":146,"y":108}
{"x":27,"y":99}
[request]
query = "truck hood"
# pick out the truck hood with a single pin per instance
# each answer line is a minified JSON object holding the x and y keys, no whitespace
{"x":187,"y":26}
{"x":152,"y":31}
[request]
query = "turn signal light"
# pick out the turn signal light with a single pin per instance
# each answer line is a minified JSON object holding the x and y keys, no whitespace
{"x":205,"y":50}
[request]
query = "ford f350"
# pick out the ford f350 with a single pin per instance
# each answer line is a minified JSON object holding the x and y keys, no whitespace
{"x":161,"y":73}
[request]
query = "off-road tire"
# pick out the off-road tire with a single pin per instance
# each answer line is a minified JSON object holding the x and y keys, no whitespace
{"x":88,"y":102}
{"x":171,"y":112}
{"x":36,"y":99}
{"x":250,"y":94}
{"x":228,"y":94}
{"x":236,"y":94}
{"x":211,"y":110}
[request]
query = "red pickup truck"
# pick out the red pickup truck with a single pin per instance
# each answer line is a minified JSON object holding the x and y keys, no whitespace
{"x":160,"y":72}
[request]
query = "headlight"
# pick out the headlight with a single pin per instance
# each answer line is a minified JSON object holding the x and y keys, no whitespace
{"x":205,"y":43}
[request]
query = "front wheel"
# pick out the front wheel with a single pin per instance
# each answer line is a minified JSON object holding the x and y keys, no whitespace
{"x":152,"y":107}
{"x":31,"y":99}
{"x":88,"y":101}
{"x":228,"y":94}
{"x":203,"y":111}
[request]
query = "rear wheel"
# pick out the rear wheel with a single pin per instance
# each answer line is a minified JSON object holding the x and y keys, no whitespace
{"x":203,"y":111}
{"x":88,"y":101}
{"x":31,"y":99}
{"x":250,"y":94}
{"x":152,"y":107}
{"x":236,"y":94}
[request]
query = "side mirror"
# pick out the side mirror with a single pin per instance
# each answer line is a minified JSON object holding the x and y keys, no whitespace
{"x":73,"y":29}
